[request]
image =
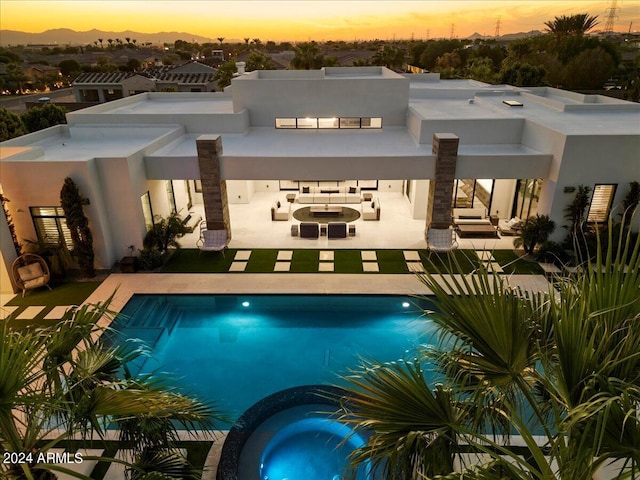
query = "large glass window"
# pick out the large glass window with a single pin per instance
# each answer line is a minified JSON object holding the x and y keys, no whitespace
{"x":329,"y":122}
{"x":51,"y":225}
{"x":601,"y":203}
{"x":470,"y":193}
{"x":527,"y":196}
{"x":171,"y":196}
{"x":147,"y":212}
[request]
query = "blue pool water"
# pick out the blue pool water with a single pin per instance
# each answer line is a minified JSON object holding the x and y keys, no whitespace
{"x":235,"y":350}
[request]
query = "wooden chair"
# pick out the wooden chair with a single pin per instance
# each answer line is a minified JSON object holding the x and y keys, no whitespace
{"x":30,"y":271}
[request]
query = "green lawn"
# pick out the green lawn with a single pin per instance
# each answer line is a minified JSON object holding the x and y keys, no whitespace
{"x":263,"y":260}
{"x":61,"y":293}
{"x":511,"y":262}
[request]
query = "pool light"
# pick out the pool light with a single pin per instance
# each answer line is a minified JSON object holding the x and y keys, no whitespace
{"x":406,"y":304}
{"x":245,"y":304}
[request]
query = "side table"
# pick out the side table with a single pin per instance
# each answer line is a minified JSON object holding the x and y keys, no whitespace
{"x":294,"y":230}
{"x":367,"y":196}
{"x":494,"y":220}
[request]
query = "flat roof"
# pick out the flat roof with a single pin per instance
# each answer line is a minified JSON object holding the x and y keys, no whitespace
{"x":269,"y":142}
{"x":175,"y":105}
{"x":87,"y":142}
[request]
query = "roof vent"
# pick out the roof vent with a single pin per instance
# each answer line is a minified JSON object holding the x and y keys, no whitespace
{"x":240,"y":66}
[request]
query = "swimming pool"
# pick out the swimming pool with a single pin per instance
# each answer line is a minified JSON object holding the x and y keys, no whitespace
{"x":237,"y":349}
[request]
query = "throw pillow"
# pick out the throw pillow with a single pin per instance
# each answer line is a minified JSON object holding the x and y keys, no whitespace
{"x":305,"y":189}
{"x":373,"y":204}
{"x":278,"y":204}
{"x":352,"y":189}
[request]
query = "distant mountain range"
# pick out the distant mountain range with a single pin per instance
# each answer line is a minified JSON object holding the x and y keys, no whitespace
{"x":66,"y":36}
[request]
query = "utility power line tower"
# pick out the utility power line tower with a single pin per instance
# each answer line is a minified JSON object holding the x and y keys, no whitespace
{"x":611,"y":14}
{"x":453,"y":27}
{"x":497,"y":32}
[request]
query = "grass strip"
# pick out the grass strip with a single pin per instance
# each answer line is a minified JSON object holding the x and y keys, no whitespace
{"x":61,"y":293}
{"x":511,"y":262}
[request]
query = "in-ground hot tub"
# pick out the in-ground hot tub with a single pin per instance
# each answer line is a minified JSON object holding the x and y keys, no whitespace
{"x":292,"y":435}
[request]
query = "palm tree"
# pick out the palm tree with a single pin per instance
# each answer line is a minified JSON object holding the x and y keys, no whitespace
{"x":562,"y":364}
{"x":100,"y":40}
{"x":307,"y":56}
{"x":578,"y":24}
{"x":246,"y":40}
{"x":220,"y":39}
{"x":61,"y":382}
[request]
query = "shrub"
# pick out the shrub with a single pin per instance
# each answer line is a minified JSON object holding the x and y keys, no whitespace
{"x":552,"y":252}
{"x":535,"y":230}
{"x":150,"y":259}
{"x":78,"y":224}
{"x":164,"y":233}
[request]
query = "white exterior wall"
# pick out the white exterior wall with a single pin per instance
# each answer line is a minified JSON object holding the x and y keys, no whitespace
{"x":6,"y":257}
{"x":589,"y":160}
{"x":475,"y":131}
{"x":302,"y":94}
{"x":419,"y":196}
{"x":28,"y":190}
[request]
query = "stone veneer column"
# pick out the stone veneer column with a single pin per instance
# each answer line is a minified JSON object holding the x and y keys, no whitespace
{"x":445,"y":148}
{"x":214,"y":189}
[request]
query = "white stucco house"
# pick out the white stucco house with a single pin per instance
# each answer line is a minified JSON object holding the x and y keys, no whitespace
{"x":516,"y":151}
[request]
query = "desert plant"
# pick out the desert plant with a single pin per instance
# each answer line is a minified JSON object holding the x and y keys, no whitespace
{"x":71,"y":202}
{"x":534,"y":231}
{"x":165,"y":232}
{"x":576,"y":211}
{"x":561,"y":364}
{"x":65,"y":382}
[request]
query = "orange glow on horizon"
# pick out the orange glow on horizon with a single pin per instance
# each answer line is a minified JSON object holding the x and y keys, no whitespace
{"x":305,"y":19}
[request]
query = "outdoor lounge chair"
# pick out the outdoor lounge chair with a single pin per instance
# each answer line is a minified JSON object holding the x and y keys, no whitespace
{"x":212,"y":240}
{"x":30,"y":271}
{"x":441,"y":240}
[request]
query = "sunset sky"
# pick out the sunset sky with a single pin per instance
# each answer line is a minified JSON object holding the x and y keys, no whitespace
{"x":306,"y":19}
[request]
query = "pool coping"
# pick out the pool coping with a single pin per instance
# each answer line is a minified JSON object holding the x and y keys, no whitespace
{"x":124,"y":285}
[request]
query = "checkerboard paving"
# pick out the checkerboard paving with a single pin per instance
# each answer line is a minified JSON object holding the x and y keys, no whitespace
{"x":411,"y":256}
{"x":285,"y":255}
{"x":30,"y":313}
{"x":370,"y":267}
{"x":282,"y":267}
{"x":57,"y":313}
{"x":485,"y":255}
{"x":238,"y":266}
{"x":6,"y":310}
{"x":369,"y":256}
{"x":242,"y":255}
{"x":415,"y":267}
{"x":326,"y":255}
{"x":325,"y":267}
